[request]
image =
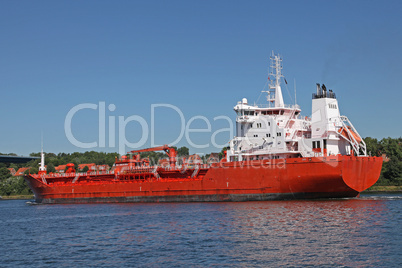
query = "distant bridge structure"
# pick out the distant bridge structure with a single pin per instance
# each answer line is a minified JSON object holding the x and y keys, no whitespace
{"x":16,"y":159}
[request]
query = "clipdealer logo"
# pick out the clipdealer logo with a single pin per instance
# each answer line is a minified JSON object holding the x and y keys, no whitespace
{"x":119,"y":124}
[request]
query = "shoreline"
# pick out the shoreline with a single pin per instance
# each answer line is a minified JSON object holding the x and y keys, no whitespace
{"x":383,"y":189}
{"x":17,"y":197}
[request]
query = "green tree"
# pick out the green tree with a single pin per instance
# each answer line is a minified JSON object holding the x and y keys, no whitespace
{"x":393,"y":172}
{"x":4,"y":173}
{"x":392,"y":147}
{"x":32,"y":170}
{"x":14,"y":186}
{"x":372,"y":146}
{"x":50,"y":168}
{"x":14,"y":166}
{"x":20,"y":187}
{"x":222,"y":153}
{"x":35,"y":154}
{"x":183,"y":151}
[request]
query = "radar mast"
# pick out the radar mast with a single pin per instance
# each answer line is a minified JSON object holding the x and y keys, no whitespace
{"x":275,"y":92}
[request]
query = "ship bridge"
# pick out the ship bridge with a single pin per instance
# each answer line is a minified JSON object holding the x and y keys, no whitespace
{"x":272,"y":129}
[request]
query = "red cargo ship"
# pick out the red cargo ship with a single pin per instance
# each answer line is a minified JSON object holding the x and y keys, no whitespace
{"x":276,"y":154}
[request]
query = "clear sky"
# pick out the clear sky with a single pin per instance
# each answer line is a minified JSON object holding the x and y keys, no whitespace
{"x":200,"y":56}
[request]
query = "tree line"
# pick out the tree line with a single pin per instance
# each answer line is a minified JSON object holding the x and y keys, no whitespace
{"x":389,"y":148}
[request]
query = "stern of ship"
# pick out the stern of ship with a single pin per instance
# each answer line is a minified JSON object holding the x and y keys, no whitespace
{"x":360,"y":173}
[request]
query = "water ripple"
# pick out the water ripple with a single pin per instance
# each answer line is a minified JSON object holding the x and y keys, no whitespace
{"x":363,"y":232}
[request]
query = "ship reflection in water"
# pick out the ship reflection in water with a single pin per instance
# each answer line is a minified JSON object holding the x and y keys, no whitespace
{"x":362,"y":232}
{"x":342,"y":232}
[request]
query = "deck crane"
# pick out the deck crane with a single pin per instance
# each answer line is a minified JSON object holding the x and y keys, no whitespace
{"x":171,"y":152}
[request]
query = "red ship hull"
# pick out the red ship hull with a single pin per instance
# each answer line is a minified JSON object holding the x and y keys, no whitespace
{"x":258,"y":180}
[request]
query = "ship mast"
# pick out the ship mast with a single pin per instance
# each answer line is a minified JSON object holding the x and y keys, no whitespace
{"x":275,"y":82}
{"x":42,"y":168}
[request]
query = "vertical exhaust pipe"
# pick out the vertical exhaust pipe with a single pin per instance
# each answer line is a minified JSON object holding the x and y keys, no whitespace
{"x":318,"y":89}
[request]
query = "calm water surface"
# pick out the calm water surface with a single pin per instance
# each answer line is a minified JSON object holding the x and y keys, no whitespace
{"x":363,"y":232}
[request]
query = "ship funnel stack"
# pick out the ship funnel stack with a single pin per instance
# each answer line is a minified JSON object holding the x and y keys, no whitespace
{"x":324,"y":89}
{"x":318,"y":89}
{"x":322,"y":92}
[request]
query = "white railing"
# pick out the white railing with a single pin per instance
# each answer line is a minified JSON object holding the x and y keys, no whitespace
{"x":351,"y":139}
{"x":291,"y":106}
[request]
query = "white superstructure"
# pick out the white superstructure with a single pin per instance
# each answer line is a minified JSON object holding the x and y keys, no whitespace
{"x":276,"y":130}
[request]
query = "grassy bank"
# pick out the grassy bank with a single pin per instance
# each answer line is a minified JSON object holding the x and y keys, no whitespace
{"x":384,"y":189}
{"x":11,"y":197}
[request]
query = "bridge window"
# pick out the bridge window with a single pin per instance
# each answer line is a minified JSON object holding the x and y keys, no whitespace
{"x":316,"y":144}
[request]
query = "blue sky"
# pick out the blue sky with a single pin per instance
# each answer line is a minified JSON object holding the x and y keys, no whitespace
{"x":200,"y":56}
